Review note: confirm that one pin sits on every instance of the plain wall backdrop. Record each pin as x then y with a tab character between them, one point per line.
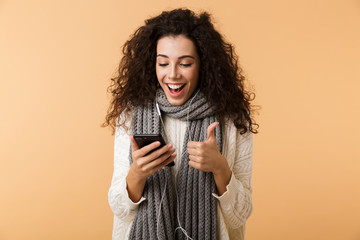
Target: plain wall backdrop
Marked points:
302	57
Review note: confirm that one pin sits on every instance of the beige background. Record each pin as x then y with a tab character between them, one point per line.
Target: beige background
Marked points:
56	59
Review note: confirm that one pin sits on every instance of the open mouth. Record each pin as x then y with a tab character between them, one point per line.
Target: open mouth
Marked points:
175	88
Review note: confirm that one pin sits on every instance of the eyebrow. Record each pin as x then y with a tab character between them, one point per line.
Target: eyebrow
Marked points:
181	57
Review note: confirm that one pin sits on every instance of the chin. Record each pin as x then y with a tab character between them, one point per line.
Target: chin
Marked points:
175	102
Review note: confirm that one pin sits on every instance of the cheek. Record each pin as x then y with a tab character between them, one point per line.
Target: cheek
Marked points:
194	76
159	74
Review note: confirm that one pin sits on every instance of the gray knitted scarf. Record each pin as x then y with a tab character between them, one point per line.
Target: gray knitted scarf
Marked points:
195	207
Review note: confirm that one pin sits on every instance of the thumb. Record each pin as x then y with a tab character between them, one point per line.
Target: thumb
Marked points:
211	131
134	144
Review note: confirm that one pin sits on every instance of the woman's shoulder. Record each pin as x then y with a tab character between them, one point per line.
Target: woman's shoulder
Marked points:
124	123
231	131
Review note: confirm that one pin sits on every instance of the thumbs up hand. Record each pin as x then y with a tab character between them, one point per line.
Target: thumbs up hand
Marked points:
205	156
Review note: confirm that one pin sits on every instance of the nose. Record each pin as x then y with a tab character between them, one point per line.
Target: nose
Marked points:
173	72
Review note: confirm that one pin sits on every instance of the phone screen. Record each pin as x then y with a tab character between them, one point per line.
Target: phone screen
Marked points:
146	139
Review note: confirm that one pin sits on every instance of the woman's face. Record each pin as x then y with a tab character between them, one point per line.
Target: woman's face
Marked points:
177	68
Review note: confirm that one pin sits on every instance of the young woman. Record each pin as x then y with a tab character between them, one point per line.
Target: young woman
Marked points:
179	78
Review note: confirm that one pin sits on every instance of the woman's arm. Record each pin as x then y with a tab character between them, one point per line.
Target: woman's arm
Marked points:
232	171
236	202
205	156
119	200
144	165
125	193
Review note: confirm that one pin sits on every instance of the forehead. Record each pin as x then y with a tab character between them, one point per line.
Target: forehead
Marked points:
175	46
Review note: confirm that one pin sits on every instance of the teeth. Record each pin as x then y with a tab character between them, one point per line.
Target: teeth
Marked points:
172	86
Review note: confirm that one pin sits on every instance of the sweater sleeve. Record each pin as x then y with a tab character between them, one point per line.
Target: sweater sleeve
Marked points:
236	203
122	206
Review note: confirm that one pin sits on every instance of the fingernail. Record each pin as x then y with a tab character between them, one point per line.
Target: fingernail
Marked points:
157	143
169	145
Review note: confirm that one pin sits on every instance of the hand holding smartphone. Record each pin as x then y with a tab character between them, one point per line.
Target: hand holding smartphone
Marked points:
146	139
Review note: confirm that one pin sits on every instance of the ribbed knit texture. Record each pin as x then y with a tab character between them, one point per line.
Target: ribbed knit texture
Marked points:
197	206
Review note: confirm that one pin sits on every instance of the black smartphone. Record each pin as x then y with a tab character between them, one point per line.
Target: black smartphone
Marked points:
146	139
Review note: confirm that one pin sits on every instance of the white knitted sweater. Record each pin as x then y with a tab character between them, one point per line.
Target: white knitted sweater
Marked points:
234	206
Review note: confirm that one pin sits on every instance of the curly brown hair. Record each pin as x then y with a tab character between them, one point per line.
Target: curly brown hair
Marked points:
220	78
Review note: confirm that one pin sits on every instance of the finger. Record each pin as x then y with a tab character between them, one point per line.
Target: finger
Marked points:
211	130
195	151
160	151
193	144
194	158
146	149
169	160
161	161
196	165
134	144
